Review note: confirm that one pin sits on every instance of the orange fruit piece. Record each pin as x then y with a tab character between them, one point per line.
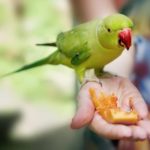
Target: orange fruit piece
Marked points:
107	107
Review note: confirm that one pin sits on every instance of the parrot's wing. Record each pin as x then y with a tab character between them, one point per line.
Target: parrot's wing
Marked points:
75	46
74	41
78	58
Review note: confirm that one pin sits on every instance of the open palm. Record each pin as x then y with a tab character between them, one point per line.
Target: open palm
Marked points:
124	90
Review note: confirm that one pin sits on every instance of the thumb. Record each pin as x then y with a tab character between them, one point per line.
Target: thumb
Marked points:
85	111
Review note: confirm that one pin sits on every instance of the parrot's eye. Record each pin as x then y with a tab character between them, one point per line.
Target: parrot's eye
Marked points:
108	30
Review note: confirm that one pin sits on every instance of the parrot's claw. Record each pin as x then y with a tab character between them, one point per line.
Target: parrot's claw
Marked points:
103	74
92	80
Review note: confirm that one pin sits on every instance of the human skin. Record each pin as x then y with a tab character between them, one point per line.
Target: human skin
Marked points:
88	10
85	114
123	89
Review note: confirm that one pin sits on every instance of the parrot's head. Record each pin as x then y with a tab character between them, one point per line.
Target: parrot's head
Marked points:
115	32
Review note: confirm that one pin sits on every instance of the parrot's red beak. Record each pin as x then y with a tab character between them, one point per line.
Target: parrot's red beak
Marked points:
125	38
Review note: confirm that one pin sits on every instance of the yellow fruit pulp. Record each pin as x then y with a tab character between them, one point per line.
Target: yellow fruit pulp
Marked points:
107	107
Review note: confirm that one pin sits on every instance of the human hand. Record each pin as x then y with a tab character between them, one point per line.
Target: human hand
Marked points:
124	90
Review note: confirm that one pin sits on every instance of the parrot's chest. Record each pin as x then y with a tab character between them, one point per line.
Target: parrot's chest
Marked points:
100	58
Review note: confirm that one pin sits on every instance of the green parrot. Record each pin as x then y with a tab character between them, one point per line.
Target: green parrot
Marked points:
91	45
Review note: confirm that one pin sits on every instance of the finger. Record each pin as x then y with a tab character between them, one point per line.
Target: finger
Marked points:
126	145
125	105
85	111
124	91
145	124
130	92
141	108
101	127
138	103
138	133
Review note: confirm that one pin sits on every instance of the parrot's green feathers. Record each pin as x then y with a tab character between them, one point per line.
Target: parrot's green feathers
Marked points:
122	22
108	31
79	58
90	45
29	66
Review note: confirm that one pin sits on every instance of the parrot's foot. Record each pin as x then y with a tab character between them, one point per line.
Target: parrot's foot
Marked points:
103	74
106	74
96	80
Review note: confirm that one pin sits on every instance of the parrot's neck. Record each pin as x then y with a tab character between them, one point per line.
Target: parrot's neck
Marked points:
108	41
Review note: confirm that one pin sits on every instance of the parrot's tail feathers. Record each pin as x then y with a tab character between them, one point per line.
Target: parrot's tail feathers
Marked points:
29	66
47	44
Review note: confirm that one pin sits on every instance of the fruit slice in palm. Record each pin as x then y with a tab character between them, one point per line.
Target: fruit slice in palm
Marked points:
107	107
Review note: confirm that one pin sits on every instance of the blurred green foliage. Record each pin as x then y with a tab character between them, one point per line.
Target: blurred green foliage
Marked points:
23	23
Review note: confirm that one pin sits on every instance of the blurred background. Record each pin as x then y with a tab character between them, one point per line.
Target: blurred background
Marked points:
36	105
